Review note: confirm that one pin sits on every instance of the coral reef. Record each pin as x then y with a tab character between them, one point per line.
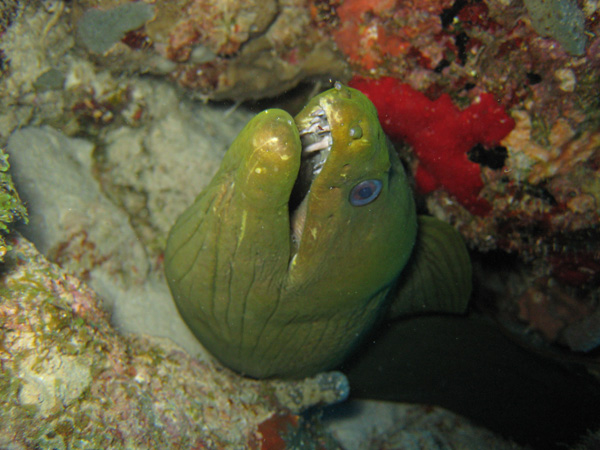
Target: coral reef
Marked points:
441	136
69	380
384	37
135	142
560	19
528	183
217	49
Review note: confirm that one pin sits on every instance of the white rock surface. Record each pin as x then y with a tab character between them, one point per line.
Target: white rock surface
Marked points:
52	173
152	168
168	160
73	222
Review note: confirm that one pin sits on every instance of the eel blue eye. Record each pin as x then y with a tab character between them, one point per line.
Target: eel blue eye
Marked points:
365	192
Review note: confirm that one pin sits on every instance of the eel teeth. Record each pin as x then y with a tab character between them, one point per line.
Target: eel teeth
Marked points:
319	112
318	166
316	139
316	127
321	144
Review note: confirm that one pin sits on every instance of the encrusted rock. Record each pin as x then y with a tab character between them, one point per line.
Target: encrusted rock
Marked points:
69	380
218	49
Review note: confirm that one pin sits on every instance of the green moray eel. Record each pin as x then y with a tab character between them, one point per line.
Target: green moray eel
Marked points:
297	246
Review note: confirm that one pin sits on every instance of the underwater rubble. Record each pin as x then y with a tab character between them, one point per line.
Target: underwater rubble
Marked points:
524	184
70	380
217	49
510	87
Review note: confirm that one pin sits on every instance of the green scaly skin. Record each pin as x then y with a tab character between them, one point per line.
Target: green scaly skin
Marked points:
263	303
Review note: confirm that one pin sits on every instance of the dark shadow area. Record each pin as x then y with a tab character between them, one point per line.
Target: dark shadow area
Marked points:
467	365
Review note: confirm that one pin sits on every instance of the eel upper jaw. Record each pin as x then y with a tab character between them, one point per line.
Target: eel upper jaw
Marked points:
316	139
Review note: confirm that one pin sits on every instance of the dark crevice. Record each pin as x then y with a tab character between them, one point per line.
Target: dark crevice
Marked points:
494	157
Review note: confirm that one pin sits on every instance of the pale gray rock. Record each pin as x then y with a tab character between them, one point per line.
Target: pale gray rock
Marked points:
73	223
362	424
156	170
51	172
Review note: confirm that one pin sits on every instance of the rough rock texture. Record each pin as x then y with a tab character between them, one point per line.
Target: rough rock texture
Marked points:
76	225
53	174
538	183
219	49
69	380
141	150
367	424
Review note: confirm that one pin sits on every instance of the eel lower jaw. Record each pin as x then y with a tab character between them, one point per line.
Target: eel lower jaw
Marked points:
316	139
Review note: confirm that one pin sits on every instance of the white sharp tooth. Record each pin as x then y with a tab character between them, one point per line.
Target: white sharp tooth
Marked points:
311	129
319	145
318	112
324	128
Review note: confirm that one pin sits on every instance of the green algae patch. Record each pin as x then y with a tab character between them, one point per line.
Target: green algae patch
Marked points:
11	207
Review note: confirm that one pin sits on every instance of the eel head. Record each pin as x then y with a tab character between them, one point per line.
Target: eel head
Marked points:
284	261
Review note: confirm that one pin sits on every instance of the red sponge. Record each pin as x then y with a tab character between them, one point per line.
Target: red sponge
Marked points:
440	135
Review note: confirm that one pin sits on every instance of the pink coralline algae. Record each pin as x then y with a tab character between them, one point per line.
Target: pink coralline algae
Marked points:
441	135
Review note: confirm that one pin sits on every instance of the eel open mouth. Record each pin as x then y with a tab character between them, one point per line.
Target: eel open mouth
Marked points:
315	136
316	140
